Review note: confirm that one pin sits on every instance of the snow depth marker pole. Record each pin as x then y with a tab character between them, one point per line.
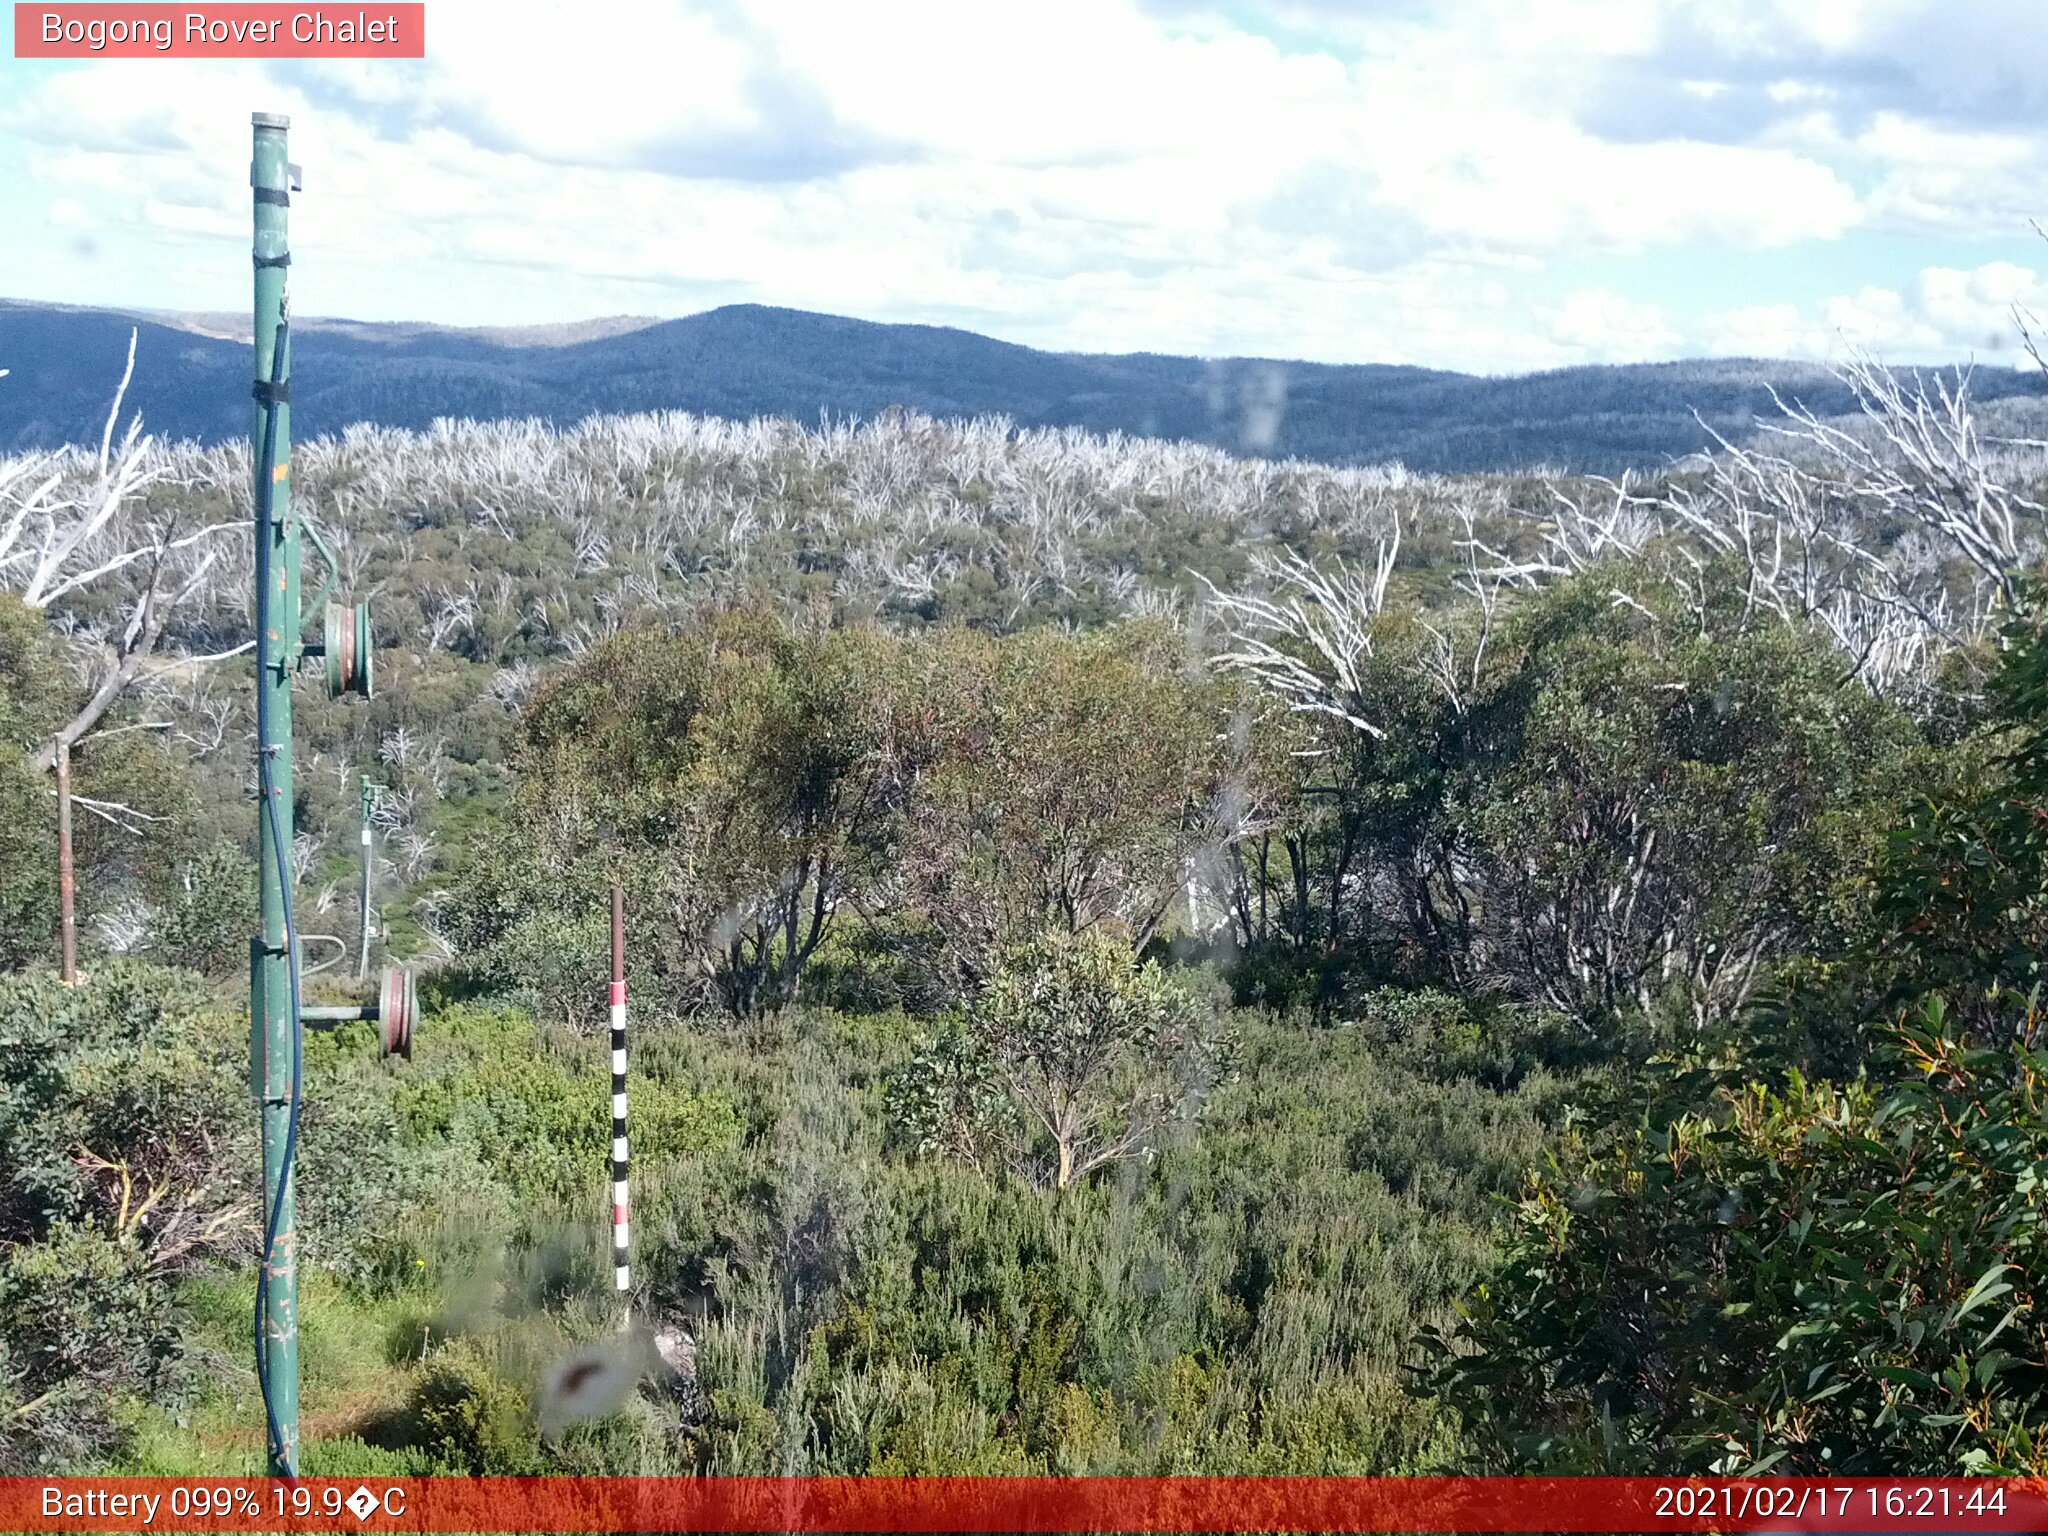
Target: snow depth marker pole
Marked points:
620	1228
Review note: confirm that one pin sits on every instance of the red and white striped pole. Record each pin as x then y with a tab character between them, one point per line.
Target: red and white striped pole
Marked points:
619	1147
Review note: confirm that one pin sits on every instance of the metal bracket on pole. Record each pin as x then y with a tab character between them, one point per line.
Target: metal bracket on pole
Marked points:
396	1010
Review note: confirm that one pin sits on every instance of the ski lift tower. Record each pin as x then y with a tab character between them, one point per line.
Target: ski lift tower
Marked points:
277	1015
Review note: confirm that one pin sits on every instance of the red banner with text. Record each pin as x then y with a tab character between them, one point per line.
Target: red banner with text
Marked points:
104	31
1023	1504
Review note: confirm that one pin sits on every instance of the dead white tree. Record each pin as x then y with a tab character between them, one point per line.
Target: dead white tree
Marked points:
1309	642
1900	529
1897	529
447	613
73	525
1481	580
1921	459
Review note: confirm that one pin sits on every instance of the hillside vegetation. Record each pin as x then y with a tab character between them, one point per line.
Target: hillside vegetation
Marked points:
1143	960
745	361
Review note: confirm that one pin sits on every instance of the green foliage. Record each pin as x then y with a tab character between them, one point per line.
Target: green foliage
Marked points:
1338	811
83	1315
1661	810
350	1456
116	1146
752	782
534	1112
1964	898
1072	781
1803	1278
1721	1272
747	777
1487	1040
28	864
1072	1059
133	1066
31	692
1619	825
1239	1303
124	860
533	930
1617	810
466	1419
206	923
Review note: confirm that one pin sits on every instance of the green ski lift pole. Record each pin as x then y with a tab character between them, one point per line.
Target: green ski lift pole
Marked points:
277	1011
275	1053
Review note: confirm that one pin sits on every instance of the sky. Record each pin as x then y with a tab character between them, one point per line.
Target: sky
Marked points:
1493	186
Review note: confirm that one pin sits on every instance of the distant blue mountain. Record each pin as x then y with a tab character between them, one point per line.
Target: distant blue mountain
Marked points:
191	381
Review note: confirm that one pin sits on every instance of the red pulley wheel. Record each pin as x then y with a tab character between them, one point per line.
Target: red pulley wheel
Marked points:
397	1006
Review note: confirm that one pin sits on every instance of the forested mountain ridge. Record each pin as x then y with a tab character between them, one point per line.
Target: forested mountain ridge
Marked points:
749	360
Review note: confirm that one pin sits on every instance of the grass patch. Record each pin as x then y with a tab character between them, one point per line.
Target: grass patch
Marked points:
360	1359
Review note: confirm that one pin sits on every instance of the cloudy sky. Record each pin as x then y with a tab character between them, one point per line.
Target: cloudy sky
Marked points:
1490	185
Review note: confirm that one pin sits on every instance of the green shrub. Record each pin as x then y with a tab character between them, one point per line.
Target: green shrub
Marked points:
1072	1059
86	1320
533	1109
1802	1278
1488	1041
465	1418
350	1456
205	926
135	1068
123	1119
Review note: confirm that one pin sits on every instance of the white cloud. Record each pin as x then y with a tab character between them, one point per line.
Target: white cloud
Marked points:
70	213
1975	310
1099	174
1874	319
1547	187
1924	176
1946	313
1606	327
1763	330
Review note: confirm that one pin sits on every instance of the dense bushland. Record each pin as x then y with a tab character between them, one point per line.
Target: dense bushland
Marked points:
1142	962
1243	1300
1808	1272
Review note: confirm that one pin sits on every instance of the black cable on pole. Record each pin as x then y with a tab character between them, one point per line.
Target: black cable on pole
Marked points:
265	501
